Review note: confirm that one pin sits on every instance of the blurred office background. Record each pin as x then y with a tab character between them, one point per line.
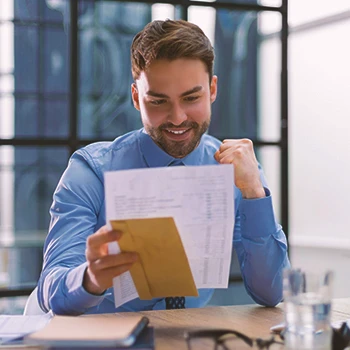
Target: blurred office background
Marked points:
65	82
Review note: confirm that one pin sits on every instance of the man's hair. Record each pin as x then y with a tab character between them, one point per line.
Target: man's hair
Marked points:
170	40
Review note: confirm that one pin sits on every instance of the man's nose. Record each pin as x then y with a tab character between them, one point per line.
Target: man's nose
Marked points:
177	114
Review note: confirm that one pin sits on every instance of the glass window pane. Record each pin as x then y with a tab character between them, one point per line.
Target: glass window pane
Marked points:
26	58
6	10
56	60
26	10
20	273
34	62
269	90
6	190
55	11
7	123
118	15
12	305
26	117
269	75
55	121
105	108
6	84
204	17
163	11
6	48
269	23
31	117
37	171
34	10
270	159
235	41
248	70
28	177
179	12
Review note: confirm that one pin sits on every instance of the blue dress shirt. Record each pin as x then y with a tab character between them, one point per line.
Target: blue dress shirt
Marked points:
78	210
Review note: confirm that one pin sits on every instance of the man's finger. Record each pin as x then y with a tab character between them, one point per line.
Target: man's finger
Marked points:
114	260
103	279
227	160
232	141
118	270
217	156
102	236
225	152
228	146
106	280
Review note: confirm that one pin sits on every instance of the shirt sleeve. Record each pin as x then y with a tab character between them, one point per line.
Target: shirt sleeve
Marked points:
261	247
74	211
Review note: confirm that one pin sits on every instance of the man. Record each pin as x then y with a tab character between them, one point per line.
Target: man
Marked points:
172	66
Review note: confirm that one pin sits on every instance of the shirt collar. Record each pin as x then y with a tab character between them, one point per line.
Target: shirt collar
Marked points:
156	157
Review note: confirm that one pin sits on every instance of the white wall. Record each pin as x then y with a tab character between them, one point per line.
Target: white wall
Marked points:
319	132
319	86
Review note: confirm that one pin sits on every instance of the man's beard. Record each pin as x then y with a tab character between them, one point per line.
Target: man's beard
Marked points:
178	149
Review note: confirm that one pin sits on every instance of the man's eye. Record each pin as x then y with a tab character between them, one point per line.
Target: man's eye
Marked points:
157	102
191	98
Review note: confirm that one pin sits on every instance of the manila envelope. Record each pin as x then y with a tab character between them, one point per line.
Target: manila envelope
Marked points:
162	269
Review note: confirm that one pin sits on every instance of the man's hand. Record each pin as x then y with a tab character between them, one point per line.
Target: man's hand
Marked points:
102	267
241	154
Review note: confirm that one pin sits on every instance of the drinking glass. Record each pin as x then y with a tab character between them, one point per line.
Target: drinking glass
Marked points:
307	309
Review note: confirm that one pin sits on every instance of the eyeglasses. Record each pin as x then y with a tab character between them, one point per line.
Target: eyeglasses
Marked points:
225	339
341	337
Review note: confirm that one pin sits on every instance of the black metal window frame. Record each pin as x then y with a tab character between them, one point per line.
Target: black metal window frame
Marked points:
73	141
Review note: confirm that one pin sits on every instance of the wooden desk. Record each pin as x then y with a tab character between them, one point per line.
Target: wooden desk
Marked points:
252	320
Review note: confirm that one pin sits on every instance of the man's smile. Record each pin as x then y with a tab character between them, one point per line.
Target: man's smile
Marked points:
180	134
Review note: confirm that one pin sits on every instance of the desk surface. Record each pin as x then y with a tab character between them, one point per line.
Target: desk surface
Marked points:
249	319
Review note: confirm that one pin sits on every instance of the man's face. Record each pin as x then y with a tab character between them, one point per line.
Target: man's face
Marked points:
174	98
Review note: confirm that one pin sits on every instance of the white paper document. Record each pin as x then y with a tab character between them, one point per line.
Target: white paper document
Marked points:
201	201
16	326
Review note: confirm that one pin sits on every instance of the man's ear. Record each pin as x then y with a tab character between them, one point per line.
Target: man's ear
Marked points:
213	88
135	96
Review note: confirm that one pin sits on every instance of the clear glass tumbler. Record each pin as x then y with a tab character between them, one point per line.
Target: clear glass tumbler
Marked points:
307	309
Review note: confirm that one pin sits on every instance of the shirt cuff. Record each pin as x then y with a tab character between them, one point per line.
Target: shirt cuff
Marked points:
79	298
257	216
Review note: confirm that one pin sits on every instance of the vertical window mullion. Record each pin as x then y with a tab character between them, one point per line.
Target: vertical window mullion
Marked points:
73	74
284	120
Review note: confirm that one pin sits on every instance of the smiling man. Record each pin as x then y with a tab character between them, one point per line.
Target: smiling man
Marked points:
174	99
174	87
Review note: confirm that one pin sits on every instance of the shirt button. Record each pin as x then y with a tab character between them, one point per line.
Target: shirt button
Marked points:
243	217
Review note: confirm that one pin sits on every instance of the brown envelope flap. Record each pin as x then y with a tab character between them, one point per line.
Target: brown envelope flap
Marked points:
126	244
163	257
